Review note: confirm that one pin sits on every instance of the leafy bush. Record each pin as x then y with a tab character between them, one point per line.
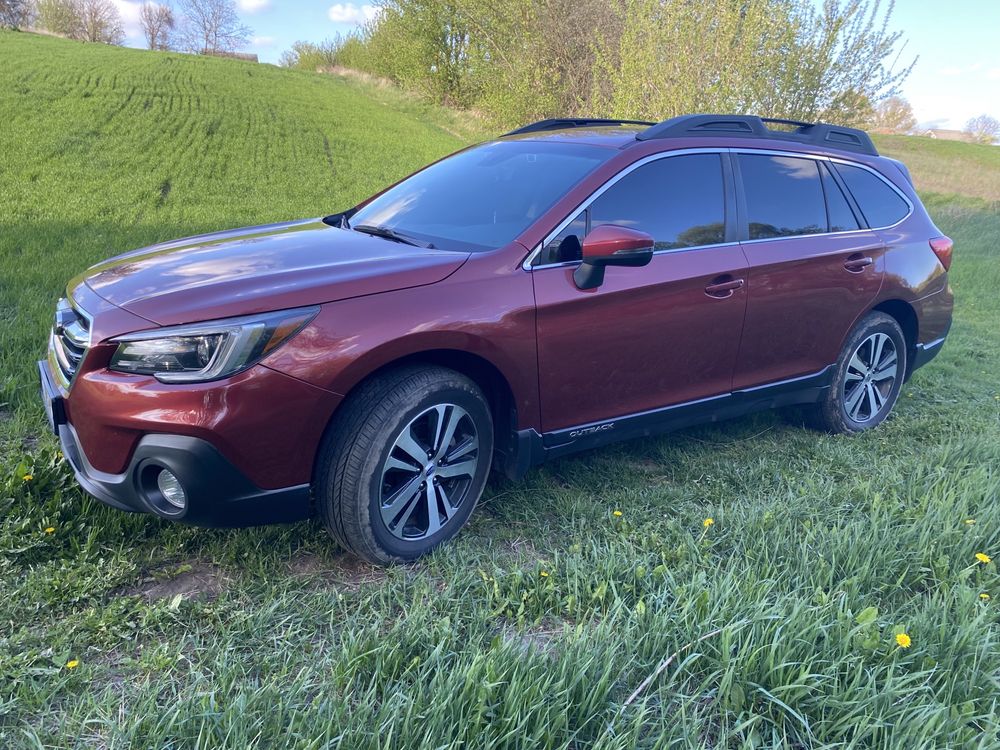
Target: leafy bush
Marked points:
525	59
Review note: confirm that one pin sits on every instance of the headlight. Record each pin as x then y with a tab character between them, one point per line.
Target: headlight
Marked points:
207	351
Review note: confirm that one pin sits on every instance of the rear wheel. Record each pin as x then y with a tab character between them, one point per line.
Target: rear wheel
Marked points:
867	380
404	463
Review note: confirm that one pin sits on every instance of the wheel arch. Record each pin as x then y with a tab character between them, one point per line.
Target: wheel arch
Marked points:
484	373
904	314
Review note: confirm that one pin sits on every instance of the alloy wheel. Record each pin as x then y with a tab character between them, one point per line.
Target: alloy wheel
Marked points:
871	375
429	470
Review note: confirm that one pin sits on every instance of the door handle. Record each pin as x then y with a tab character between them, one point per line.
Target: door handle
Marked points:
723	289
857	263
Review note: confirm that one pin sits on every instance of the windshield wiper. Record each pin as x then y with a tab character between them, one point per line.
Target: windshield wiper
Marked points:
391	234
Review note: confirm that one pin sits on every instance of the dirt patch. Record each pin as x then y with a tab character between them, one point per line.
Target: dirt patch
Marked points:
540	639
342	569
197	581
646	466
528	552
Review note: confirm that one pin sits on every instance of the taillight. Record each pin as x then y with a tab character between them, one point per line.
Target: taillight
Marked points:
942	249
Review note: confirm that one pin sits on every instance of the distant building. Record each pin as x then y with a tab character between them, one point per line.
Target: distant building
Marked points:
947	135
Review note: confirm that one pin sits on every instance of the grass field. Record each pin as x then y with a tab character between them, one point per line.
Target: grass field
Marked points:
568	590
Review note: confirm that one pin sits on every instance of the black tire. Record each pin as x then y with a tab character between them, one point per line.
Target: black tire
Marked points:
842	410
350	477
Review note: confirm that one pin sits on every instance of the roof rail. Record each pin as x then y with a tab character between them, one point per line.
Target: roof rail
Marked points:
751	126
571	122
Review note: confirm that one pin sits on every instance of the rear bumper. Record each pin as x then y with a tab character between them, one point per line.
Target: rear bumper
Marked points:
218	493
926	352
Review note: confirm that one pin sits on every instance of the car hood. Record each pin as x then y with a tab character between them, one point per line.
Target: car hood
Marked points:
257	269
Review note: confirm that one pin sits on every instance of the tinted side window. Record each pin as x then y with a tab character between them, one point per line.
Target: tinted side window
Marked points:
784	196
841	216
881	205
679	200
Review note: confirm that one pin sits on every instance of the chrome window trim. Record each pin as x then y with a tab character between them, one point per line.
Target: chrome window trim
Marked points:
526	264
806	236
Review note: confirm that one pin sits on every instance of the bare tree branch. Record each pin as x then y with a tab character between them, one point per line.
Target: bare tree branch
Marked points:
100	21
16	14
157	22
983	129
210	26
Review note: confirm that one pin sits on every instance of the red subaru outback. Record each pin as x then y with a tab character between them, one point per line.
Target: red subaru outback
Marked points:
572	283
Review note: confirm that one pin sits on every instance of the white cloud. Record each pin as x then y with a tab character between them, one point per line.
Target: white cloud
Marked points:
262	41
252	6
993	74
351	13
129	11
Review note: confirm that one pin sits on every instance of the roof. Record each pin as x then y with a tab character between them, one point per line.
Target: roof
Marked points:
622	133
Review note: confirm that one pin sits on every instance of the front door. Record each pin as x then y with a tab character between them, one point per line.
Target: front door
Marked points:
648	337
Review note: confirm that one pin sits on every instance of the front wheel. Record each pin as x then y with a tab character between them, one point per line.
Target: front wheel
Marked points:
404	463
868	376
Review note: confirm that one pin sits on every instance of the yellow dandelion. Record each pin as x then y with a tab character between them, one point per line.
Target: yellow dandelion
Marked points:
50	529
903	640
72	664
616	513
708	522
984	559
970	521
984	596
28	477
544	574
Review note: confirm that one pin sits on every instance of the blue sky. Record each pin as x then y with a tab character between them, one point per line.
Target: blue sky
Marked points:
956	77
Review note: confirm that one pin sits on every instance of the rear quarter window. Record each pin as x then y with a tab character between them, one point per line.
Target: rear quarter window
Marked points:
881	205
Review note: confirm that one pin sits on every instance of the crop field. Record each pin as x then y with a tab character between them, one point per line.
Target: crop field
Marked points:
742	585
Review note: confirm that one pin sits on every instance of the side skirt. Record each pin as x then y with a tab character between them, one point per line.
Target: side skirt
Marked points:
532	448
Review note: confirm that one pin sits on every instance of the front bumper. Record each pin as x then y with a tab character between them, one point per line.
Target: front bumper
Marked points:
218	494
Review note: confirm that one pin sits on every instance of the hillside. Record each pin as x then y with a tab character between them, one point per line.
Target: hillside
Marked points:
771	565
965	170
106	149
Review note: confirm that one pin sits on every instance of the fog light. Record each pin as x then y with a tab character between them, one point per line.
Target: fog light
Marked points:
170	488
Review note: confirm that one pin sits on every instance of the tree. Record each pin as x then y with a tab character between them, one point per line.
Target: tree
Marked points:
893	115
983	129
311	55
100	21
86	20
157	22
16	13
211	26
60	17
651	59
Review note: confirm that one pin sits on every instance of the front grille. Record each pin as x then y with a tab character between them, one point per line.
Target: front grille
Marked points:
69	341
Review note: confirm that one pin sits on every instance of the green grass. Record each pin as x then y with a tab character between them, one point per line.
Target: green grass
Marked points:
538	623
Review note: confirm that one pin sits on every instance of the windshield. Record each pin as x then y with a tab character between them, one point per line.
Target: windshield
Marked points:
482	198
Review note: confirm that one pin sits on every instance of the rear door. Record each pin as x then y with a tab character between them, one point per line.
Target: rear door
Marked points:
651	336
814	267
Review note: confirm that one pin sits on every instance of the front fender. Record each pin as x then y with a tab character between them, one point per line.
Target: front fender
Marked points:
490	316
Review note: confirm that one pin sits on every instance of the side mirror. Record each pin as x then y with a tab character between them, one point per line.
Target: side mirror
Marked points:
611	245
